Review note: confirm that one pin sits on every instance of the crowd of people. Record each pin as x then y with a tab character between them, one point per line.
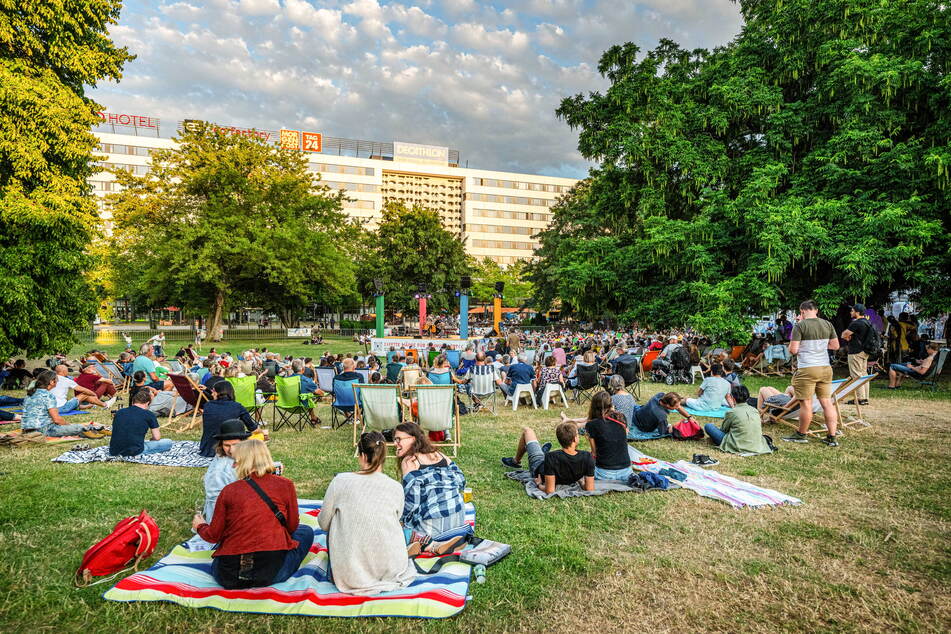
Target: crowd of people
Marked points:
374	522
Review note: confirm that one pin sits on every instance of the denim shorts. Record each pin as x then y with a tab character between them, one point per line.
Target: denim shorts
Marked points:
612	474
536	457
68	406
902	368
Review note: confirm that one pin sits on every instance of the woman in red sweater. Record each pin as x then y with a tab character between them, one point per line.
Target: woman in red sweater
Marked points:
255	524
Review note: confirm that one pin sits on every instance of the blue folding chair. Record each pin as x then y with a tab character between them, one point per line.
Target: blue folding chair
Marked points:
452	356
344	402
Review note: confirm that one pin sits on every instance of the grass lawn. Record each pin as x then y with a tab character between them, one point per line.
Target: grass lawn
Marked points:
867	551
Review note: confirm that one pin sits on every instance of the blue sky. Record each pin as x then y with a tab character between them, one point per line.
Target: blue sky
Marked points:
481	77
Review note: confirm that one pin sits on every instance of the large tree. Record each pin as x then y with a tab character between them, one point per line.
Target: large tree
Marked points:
227	218
409	248
49	52
808	157
486	272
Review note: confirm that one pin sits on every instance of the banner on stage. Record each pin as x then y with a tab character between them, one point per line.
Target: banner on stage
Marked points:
298	332
382	345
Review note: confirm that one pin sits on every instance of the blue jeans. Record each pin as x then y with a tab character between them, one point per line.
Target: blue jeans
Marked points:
58	431
903	368
6	401
157	446
69	406
714	433
292	558
612	474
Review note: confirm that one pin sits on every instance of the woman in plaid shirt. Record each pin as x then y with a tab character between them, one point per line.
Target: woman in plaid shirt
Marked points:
432	485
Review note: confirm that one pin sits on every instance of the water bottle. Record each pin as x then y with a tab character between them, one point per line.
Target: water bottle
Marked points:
479	572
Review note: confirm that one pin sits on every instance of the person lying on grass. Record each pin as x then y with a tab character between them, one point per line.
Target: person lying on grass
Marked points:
129	426
432	486
256	546
741	431
550	468
607	433
898	371
361	512
40	414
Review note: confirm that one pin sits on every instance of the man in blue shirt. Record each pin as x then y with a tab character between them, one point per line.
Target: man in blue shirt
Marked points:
518	374
307	385
130	426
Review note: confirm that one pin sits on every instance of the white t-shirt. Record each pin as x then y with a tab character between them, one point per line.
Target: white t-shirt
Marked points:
813	336
63	385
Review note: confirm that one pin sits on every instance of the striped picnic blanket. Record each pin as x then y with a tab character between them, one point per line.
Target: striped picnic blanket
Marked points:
711	484
184	577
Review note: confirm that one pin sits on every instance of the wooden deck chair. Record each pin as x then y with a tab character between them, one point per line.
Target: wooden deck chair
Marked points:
858	423
931	377
105	373
102	358
122	381
187	390
482	387
841	390
453	357
408	378
376	408
438	411
431	357
789	414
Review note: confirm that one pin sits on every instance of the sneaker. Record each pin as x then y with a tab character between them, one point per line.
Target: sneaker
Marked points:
92	435
831	441
546	447
110	402
510	462
797	437
105	431
863	401
704	460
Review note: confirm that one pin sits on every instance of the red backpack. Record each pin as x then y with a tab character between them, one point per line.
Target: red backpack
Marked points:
132	540
687	429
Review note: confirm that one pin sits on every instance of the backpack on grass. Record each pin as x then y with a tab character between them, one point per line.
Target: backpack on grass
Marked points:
132	540
687	429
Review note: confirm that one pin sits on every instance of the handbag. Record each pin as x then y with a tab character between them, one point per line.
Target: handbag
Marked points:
687	429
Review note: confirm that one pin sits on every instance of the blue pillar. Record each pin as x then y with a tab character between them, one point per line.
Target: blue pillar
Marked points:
463	316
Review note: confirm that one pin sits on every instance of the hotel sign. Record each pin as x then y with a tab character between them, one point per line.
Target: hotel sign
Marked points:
131	120
420	153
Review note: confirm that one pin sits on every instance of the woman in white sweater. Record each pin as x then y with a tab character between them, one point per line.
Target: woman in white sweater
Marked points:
361	514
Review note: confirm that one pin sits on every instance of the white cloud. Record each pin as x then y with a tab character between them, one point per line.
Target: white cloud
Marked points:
482	77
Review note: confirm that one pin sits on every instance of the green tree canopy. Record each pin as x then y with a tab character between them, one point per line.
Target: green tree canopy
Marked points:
227	218
49	51
486	272
409	248
808	157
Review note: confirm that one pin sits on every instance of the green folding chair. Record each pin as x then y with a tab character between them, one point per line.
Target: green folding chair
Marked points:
245	393
292	407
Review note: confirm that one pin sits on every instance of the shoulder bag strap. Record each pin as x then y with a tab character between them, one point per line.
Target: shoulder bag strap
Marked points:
267	500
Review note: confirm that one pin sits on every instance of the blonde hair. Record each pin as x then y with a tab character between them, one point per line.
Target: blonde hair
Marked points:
251	457
231	372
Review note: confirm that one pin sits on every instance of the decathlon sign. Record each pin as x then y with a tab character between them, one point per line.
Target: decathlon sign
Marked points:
420	153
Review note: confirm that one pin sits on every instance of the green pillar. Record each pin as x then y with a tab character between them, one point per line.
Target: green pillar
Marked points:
379	315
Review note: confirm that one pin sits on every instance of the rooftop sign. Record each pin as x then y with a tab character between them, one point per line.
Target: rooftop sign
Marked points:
420	153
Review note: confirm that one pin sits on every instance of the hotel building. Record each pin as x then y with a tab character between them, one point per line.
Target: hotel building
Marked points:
495	213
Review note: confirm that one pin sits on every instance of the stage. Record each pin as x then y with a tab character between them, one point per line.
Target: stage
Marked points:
382	345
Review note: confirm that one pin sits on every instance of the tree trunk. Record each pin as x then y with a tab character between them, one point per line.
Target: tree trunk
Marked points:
215	327
289	317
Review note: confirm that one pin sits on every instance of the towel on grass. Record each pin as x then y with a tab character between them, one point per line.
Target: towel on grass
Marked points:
711	484
184	453
75	412
184	577
636	435
713	413
573	490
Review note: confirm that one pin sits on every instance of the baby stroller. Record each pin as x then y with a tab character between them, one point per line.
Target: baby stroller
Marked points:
674	370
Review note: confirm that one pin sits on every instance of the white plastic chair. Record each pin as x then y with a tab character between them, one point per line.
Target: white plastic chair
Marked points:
523	388
694	371
437	411
550	390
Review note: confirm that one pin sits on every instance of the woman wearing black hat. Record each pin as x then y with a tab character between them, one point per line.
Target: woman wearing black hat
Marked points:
221	470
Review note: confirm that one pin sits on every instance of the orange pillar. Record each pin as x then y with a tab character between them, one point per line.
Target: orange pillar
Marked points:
497	314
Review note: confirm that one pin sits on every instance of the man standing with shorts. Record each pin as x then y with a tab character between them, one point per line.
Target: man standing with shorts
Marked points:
857	334
812	338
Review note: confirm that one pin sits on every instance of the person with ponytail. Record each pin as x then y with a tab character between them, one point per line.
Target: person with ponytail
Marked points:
41	415
361	515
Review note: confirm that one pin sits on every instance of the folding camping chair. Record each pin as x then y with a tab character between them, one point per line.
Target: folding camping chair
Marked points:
292	407
588	382
325	379
344	403
188	391
376	408
245	393
453	356
438	411
431	357
482	387
931	377
632	380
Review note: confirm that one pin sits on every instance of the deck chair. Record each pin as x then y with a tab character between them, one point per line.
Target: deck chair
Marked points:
104	372
245	393
325	379
482	387
408	378
453	356
365	373
176	366
292	407
376	408
760	368
187	390
588	382
122	381
632	380
412	355
438	411
931	378
344	403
